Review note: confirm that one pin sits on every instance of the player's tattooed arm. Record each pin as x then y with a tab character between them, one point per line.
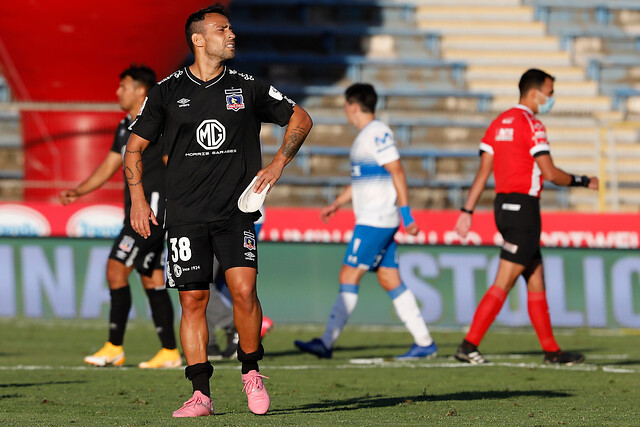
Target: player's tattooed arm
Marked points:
300	124
141	212
293	141
134	174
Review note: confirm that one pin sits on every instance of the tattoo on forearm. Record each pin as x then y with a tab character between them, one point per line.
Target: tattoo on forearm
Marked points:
293	142
133	178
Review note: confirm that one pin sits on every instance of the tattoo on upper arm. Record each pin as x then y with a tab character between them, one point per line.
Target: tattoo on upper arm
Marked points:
293	142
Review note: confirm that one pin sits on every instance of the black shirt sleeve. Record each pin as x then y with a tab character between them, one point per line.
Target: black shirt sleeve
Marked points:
149	123
272	106
115	147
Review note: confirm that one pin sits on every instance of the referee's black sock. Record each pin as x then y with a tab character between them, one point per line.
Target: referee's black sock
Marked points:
199	375
119	314
162	313
250	360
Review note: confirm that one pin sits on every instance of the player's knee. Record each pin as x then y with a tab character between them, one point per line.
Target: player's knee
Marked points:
116	280
194	301
245	298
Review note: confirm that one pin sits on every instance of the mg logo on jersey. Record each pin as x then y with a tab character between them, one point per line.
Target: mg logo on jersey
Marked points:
211	134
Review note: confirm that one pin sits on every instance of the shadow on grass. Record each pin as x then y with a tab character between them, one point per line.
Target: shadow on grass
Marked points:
8	396
585	351
380	401
377	350
40	384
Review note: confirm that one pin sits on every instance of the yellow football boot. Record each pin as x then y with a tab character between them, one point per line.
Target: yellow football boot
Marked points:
164	359
109	355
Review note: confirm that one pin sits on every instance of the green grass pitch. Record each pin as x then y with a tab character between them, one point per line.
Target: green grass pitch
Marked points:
44	382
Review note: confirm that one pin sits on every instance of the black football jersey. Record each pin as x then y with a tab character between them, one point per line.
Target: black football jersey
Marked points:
154	179
211	132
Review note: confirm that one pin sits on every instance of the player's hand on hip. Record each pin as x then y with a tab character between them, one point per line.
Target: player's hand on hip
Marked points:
68	196
269	175
593	183
141	214
463	225
412	229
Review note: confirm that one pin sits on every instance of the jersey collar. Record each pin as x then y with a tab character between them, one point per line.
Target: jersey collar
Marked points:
206	84
525	108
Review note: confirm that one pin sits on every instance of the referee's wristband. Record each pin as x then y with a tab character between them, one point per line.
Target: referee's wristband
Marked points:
465	210
579	181
405	213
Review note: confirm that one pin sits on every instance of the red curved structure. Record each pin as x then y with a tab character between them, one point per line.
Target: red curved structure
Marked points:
74	51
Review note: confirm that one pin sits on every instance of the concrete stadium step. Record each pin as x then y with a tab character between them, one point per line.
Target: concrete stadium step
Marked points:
562	88
516	43
494	28
476	13
514	72
572	135
580	166
569	149
565	104
535	58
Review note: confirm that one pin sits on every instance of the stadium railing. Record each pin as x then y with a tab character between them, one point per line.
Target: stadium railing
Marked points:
384	93
429	156
329	33
405	10
402	125
595	66
355	63
602	9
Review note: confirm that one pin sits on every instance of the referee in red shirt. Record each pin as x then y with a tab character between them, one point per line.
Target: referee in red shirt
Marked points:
516	150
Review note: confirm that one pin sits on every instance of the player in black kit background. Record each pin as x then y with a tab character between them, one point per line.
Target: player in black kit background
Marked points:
210	118
129	250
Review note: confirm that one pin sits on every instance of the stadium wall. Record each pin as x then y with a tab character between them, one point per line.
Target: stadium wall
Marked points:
65	278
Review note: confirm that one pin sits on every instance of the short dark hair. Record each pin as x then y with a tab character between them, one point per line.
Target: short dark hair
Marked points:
141	74
192	27
364	94
533	78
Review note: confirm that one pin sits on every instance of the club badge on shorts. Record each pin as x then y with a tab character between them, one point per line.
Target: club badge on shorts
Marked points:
249	240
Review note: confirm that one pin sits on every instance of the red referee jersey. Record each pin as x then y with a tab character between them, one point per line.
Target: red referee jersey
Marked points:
514	139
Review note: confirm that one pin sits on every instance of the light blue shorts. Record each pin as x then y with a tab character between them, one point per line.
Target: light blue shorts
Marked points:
372	247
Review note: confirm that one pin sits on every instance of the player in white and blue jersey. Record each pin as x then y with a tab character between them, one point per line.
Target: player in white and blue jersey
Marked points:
380	198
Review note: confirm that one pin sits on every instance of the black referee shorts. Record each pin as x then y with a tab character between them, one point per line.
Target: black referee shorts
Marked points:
192	247
131	249
517	217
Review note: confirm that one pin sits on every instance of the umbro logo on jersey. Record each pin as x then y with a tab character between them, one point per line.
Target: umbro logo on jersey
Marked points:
184	102
235	100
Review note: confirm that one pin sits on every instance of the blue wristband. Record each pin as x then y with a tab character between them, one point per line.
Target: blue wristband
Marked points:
405	213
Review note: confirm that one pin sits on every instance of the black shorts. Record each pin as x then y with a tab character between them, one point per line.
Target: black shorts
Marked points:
518	220
131	249
192	248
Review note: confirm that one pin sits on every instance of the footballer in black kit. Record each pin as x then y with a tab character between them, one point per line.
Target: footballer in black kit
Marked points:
209	117
212	134
129	247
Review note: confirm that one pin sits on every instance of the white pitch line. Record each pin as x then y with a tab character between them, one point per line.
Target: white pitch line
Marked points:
375	364
618	370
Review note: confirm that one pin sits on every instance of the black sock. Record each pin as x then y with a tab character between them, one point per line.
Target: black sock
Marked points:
162	313
199	375
250	360
119	314
467	346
